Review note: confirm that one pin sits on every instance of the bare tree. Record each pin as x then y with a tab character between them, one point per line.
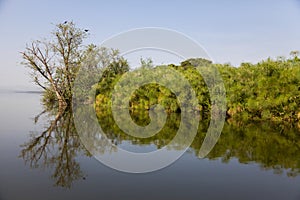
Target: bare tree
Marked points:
54	63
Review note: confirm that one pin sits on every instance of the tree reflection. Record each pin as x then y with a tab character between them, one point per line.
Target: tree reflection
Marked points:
56	147
273	146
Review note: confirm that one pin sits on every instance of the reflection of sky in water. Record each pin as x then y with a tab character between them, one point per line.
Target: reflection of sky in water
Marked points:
16	109
128	146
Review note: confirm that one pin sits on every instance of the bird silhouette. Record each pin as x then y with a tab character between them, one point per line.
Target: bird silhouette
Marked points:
65	22
86	30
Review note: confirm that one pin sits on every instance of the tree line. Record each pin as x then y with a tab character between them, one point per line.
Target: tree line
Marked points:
268	90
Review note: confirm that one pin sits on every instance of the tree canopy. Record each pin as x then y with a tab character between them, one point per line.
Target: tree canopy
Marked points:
55	62
268	90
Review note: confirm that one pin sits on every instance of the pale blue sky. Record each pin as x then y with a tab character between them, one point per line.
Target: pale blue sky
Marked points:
231	31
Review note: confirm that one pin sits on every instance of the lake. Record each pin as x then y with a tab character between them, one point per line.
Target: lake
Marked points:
42	160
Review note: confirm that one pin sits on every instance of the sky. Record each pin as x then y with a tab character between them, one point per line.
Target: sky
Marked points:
232	31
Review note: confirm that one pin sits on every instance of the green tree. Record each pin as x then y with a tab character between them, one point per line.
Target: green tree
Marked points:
55	63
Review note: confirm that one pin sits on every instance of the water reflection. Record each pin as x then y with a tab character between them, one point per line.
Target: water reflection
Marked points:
56	146
273	146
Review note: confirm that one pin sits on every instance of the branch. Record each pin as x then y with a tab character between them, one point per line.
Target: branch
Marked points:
34	64
39	84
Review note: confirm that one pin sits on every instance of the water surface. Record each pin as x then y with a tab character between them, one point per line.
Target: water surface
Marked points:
250	161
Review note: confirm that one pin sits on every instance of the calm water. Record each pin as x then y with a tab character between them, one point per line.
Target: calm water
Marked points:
40	160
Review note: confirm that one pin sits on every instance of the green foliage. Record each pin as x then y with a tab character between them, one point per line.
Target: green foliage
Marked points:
151	94
268	90
98	62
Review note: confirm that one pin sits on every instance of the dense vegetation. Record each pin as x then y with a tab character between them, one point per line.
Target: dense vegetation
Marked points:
268	90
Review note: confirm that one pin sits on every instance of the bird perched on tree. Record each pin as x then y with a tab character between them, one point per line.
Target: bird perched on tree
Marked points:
65	22
86	30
